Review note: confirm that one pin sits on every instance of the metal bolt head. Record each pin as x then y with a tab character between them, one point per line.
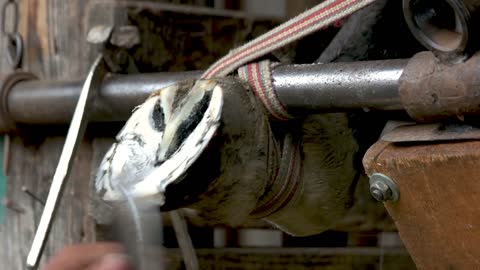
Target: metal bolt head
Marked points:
380	191
383	189
122	36
100	34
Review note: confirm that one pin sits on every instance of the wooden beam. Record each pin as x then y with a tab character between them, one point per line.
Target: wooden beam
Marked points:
297	258
438	213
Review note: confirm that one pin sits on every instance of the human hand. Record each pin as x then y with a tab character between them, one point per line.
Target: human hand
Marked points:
97	256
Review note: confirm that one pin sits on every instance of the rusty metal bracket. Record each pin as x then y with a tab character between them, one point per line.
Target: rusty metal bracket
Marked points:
431	90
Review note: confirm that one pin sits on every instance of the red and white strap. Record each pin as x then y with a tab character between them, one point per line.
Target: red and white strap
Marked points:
259	76
304	24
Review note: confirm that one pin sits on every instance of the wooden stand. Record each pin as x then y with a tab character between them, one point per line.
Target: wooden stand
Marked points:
438	213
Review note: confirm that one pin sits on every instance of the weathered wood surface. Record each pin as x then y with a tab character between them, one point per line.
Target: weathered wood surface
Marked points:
54	34
438	211
32	165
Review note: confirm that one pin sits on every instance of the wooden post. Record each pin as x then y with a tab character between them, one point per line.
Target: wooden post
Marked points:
2	184
438	211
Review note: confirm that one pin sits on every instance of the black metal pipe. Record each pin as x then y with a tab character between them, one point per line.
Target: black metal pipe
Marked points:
371	85
50	102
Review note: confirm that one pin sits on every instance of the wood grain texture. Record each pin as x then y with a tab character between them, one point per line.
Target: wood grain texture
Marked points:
54	32
55	36
33	166
438	211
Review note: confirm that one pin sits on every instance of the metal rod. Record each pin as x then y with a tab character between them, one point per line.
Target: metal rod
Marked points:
370	85
50	102
73	139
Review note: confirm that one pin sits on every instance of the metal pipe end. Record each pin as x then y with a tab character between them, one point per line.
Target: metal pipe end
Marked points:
7	82
442	26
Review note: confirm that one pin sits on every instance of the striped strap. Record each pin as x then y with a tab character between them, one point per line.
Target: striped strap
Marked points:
304	24
287	181
259	76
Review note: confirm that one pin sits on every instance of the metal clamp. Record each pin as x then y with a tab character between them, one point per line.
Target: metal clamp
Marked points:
431	90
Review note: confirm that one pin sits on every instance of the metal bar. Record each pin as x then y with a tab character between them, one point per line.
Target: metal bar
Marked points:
73	139
49	102
371	85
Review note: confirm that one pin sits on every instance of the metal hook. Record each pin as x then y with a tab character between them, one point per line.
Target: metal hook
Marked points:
14	50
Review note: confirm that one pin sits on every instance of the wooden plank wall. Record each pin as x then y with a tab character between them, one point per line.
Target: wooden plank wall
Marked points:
48	28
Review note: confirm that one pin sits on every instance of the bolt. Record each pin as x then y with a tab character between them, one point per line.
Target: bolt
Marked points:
126	36
383	189
380	191
100	34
